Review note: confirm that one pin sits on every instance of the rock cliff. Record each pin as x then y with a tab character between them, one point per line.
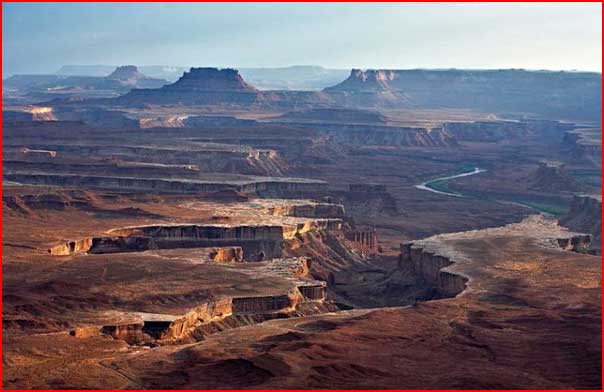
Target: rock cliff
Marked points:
370	88
572	95
585	215
199	86
267	187
129	75
257	242
584	144
552	177
304	297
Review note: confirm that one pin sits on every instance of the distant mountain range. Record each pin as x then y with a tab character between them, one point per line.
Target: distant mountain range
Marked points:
564	95
297	77
510	92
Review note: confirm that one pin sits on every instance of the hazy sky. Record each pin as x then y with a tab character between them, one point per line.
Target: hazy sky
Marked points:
38	37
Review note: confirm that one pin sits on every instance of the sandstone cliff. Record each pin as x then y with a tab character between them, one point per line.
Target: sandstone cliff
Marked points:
572	95
585	215
199	86
552	177
370	88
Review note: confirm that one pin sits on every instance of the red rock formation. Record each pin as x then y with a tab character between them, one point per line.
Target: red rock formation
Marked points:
231	254
199	86
584	144
585	215
427	266
553	177
277	187
365	240
309	210
370	88
257	242
212	79
369	80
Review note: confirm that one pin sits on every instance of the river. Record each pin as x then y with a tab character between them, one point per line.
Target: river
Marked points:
427	187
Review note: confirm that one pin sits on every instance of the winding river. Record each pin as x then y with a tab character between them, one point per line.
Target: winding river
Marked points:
427	187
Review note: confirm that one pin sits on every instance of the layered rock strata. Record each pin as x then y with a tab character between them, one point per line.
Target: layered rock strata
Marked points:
258	242
435	259
304	298
585	215
265	187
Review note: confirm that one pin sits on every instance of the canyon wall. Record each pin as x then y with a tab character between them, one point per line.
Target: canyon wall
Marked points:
216	315
496	131
263	187
211	157
428	267
231	254
585	215
366	240
232	243
573	95
584	144
309	210
381	135
257	242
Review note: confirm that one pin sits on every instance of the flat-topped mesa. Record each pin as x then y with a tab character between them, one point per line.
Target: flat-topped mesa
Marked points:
126	73
303	297
571	95
443	262
584	143
367	135
207	157
502	130
215	316
199	86
129	75
370	80
257	242
212	79
261	186
370	88
249	242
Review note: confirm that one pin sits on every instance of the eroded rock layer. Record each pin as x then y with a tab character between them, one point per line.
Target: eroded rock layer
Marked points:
585	215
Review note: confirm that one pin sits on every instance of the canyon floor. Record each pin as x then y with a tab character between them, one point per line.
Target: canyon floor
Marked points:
149	244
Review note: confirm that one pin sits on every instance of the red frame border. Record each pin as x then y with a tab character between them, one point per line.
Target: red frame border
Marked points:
254	1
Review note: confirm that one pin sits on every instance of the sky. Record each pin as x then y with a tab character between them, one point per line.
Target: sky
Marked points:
41	37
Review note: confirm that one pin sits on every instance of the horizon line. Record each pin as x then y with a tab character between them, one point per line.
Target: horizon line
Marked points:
574	70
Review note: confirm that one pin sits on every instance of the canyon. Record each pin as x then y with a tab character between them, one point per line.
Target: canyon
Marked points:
415	229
